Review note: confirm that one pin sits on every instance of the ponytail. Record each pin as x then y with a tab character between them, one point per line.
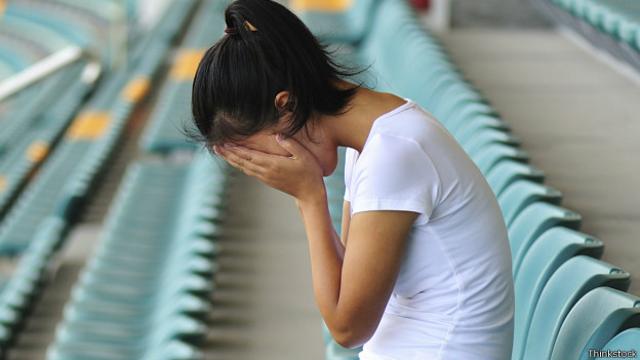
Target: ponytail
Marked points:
266	49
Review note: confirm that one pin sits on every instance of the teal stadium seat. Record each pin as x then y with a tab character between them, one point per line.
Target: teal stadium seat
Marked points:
145	299
466	131
534	220
459	116
486	137
596	318
25	283
520	194
336	21
75	162
507	172
171	116
626	340
565	287
493	154
552	249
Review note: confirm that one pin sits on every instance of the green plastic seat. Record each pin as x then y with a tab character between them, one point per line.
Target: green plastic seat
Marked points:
493	154
348	26
626	340
507	172
465	131
521	194
534	220
552	249
573	279
149	282
169	119
486	137
594	320
461	115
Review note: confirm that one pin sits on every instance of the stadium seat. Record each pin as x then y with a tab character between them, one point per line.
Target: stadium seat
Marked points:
626	340
612	25
479	140
520	194
24	285
336	21
565	287
170	117
493	154
596	318
531	223
135	297
552	249
466	131
507	172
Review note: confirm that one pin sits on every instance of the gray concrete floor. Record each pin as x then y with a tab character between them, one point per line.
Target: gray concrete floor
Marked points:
263	307
578	119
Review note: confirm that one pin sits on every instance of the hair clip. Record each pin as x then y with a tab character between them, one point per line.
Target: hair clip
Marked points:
249	26
233	30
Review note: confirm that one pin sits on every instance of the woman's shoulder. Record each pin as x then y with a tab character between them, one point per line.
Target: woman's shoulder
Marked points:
409	121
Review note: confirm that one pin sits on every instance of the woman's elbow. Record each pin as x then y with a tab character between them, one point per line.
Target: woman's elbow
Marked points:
350	338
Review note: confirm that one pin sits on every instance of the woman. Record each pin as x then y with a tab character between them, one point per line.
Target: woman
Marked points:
422	269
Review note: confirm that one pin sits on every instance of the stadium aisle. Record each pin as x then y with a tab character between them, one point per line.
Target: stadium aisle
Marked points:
576	116
263	306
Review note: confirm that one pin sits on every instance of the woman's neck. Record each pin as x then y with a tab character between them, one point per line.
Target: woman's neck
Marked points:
352	128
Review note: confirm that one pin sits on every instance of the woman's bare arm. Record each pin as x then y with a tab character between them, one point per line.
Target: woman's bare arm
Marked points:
352	292
346	219
351	288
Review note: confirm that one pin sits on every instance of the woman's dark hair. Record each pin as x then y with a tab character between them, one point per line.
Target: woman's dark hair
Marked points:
266	49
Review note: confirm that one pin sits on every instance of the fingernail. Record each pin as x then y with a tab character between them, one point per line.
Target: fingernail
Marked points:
279	137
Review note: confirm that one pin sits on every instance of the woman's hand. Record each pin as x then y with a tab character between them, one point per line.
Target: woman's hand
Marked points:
299	175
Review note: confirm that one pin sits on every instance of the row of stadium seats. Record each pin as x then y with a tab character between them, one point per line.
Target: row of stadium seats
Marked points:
165	131
34	119
145	292
618	18
125	308
28	134
72	154
612	25
36	28
64	180
21	291
567	300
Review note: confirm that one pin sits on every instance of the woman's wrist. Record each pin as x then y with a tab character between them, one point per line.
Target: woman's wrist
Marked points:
313	199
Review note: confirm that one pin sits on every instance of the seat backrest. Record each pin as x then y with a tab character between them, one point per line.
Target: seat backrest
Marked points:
567	285
337	21
493	154
596	318
463	132
532	222
626	340
521	194
507	172
554	247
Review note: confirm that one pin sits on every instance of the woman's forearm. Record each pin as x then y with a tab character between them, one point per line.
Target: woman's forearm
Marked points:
326	253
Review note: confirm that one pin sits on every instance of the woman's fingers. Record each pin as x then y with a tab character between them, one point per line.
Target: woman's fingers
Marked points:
256	157
239	162
292	146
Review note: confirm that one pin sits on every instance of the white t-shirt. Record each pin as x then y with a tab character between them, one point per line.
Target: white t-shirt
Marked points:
453	298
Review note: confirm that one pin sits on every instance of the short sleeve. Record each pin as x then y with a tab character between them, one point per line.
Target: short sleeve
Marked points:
349	159
395	173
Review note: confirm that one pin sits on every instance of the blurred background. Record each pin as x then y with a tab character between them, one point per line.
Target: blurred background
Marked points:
122	239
